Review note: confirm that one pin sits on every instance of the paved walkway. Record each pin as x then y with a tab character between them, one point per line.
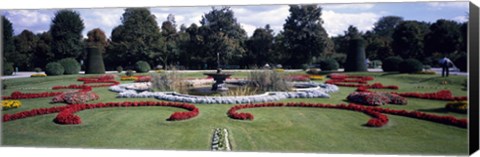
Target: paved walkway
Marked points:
28	73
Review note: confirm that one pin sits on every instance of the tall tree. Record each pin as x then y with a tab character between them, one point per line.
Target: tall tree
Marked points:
43	53
8	42
304	36
222	35
444	37
135	38
408	39
342	41
386	25
166	48
66	30
260	46
25	46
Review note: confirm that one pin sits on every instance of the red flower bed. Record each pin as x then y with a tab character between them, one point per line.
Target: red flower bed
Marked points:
376	98
298	77
67	113
356	81
110	79
143	78
378	119
75	97
83	88
20	95
440	95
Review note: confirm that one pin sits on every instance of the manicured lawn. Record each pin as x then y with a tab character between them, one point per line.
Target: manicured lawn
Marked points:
273	130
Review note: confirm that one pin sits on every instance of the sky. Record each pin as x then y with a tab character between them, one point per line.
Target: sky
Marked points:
336	17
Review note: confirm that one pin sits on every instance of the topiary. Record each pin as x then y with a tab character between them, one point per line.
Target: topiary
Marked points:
119	69
70	65
329	64
142	67
94	62
7	68
391	63
410	66
356	56
54	68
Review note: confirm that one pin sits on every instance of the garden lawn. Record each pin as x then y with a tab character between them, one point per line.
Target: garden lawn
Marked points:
273	130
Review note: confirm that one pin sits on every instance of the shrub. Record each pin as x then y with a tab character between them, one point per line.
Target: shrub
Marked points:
329	64
4	86
410	66
70	65
7	68
54	68
10	104
119	69
37	69
142	67
391	64
269	80
130	73
461	62
95	61
457	106
356	56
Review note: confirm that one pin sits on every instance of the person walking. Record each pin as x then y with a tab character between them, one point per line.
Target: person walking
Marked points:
446	63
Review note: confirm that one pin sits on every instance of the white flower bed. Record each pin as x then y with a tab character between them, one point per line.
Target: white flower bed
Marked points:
319	92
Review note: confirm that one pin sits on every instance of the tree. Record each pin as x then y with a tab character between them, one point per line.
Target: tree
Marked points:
444	37
408	39
222	35
135	38
166	48
8	42
43	53
96	43
341	42
378	47
304	36
260	46
386	25
66	30
25	46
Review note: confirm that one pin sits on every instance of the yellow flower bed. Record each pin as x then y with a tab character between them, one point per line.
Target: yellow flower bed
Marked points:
38	75
128	78
457	106
9	104
158	71
316	77
280	70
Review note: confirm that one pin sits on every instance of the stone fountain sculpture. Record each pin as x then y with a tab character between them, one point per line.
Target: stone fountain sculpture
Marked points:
219	78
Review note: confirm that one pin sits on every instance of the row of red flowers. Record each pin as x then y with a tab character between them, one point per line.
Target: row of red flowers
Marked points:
67	115
440	95
378	119
356	81
82	88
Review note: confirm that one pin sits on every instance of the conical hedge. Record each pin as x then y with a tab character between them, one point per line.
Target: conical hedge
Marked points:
94	61
356	56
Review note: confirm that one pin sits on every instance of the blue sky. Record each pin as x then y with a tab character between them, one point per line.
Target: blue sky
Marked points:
337	17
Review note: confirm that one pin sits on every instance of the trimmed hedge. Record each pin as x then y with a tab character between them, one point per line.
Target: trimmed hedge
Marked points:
410	66
142	67
7	68
95	63
391	64
70	66
356	56
329	64
54	68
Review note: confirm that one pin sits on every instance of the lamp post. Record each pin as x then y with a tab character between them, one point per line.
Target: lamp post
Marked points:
218	59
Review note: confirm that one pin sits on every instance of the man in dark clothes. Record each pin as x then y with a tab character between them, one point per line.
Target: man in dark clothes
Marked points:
446	63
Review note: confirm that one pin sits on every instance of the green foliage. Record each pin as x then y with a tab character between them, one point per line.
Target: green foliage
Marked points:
119	69
97	39
135	38
142	67
304	36
461	62
444	37
70	65
37	69
66	30
268	80
54	68
130	73
8	41
386	25
25	44
329	64
43	53
391	64
7	68
410	66
94	61
260	47
408	39
356	56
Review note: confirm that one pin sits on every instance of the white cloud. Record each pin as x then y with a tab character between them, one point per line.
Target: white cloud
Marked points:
336	23
105	19
34	20
249	28
361	6
275	16
442	5
460	19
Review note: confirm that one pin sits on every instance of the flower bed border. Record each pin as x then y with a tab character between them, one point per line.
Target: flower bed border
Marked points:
66	114
378	119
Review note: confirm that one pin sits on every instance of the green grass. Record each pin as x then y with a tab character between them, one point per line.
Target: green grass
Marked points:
273	130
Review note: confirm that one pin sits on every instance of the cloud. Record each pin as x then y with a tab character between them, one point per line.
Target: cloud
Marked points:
360	6
252	17
36	21
460	19
442	5
105	19
336	23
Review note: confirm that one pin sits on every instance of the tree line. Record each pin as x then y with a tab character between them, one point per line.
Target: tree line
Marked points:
219	39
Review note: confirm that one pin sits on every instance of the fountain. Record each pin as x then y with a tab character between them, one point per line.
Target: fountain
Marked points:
219	78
